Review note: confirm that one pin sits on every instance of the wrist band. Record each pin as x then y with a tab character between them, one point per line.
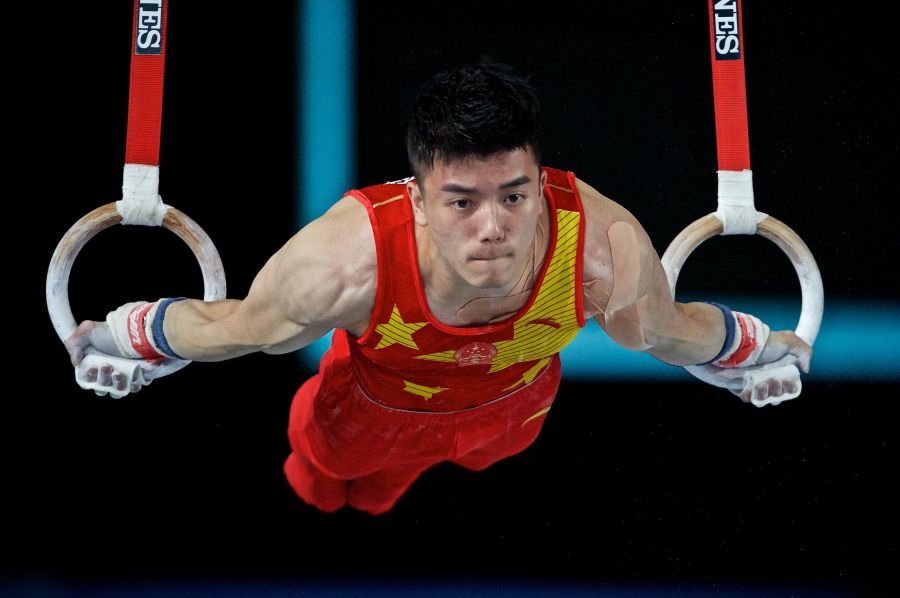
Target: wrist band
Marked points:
159	337
729	332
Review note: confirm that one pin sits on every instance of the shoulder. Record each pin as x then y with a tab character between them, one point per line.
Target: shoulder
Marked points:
600	214
332	263
341	237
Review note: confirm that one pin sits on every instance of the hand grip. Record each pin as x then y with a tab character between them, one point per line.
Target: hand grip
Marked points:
130	368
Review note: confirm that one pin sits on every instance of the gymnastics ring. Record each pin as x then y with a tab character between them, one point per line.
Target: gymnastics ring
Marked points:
61	267
813	296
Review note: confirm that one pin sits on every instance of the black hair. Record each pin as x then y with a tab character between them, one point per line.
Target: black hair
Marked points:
478	110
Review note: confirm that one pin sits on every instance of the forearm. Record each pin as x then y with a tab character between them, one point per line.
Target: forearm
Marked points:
695	333
207	331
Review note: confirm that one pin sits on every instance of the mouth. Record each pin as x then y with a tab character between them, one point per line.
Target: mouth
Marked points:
489	257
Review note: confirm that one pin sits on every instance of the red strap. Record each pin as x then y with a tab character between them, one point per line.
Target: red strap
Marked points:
729	87
145	93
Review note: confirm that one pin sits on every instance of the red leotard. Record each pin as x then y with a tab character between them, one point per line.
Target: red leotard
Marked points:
412	391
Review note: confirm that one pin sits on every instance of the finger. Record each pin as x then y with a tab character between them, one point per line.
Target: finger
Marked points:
803	353
790	385
775	388
76	355
147	372
135	386
119	381
803	358
105	375
762	391
90	375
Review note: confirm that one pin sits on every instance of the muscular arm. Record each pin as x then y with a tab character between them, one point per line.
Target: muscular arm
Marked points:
627	294
322	278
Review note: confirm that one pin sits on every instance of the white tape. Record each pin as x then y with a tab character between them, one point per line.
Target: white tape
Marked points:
736	210
141	203
744	379
786	372
135	370
130	368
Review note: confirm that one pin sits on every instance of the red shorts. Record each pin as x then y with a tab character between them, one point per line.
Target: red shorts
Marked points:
350	449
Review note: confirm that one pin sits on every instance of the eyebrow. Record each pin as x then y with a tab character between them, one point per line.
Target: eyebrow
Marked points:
454	188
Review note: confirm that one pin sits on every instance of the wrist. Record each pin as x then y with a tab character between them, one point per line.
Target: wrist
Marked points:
154	324
137	329
745	338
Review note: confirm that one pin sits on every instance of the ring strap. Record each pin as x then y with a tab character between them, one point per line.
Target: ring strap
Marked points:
729	87
141	203
145	93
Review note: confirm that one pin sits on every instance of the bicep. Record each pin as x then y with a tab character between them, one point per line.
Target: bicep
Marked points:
622	273
323	278
628	290
317	281
638	300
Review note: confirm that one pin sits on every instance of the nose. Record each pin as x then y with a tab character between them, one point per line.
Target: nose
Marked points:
492	225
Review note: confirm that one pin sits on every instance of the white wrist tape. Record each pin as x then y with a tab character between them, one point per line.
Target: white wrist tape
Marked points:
748	341
129	327
137	330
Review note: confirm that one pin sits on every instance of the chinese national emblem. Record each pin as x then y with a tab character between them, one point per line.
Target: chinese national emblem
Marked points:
476	353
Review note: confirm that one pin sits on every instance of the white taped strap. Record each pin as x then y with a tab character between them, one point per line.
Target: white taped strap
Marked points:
141	203
735	210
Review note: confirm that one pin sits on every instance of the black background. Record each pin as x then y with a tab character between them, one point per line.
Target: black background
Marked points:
672	484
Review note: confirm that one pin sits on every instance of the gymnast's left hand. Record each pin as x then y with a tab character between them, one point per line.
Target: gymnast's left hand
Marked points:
769	378
782	348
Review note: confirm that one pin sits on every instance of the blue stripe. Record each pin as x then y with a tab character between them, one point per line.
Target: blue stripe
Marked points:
729	330
159	336
326	97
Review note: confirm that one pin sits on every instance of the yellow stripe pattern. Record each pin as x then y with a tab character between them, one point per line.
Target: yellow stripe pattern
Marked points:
535	340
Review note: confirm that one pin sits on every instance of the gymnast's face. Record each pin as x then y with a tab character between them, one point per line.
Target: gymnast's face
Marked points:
476	217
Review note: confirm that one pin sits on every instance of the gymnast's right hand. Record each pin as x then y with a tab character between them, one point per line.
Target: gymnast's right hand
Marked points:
108	357
98	373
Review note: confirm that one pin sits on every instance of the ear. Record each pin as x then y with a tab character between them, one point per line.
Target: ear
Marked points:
417	201
543	182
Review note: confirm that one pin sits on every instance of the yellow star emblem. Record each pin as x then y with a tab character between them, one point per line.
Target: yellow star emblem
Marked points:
530	373
396	331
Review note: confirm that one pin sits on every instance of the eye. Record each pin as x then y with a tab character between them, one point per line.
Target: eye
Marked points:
461	204
515	198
